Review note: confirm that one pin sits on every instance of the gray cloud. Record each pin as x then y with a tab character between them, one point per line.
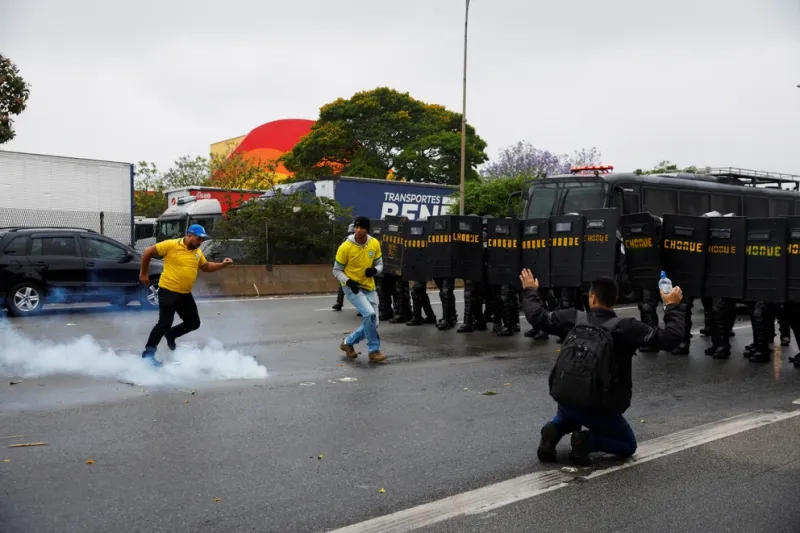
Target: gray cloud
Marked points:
705	82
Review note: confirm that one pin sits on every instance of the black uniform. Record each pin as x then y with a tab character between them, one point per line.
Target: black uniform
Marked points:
723	316
446	287
401	311
421	302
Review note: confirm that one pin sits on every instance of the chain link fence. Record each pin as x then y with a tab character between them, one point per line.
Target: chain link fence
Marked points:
280	244
117	226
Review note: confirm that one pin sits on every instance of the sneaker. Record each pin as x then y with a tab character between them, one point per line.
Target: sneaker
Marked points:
377	356
580	448
150	357
170	343
547	446
348	349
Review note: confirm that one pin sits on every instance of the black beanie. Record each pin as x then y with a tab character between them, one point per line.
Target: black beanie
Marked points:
361	222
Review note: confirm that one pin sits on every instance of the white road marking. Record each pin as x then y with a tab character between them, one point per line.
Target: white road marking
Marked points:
528	486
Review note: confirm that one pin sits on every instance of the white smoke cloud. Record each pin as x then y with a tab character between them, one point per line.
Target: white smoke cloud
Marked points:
23	357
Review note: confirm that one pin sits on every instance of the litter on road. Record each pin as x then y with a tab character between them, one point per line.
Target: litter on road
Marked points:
27	445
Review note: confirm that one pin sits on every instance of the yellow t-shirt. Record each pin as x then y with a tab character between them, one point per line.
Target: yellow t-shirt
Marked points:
356	259
180	265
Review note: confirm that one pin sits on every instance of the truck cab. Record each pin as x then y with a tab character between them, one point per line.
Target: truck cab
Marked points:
187	210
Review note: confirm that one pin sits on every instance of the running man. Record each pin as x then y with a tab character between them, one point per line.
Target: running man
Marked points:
358	261
182	259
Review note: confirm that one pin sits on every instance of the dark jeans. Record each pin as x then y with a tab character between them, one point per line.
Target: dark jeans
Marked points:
170	303
607	433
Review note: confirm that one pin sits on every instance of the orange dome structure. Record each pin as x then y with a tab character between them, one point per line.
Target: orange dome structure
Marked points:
268	142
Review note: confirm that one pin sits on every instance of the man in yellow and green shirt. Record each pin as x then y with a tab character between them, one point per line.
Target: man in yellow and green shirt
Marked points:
358	261
182	260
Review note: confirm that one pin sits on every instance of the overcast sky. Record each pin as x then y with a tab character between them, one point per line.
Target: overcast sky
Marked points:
703	82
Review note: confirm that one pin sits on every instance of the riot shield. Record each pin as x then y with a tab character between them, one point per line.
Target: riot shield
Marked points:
392	245
725	258
600	243
793	259
642	258
765	265
535	254
502	239
683	251
468	247
566	250
415	266
377	228
440	249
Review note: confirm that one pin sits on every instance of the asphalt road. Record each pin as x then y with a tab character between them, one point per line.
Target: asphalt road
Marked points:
304	450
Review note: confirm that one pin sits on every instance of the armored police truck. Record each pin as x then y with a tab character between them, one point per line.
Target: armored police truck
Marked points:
727	190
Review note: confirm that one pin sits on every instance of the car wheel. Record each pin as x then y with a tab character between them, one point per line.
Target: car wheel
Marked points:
149	299
25	299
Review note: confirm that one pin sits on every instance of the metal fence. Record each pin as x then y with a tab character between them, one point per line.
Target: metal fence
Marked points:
281	244
117	226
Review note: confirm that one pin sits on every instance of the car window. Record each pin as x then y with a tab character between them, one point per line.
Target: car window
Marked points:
694	203
60	246
660	201
781	208
756	207
17	246
98	249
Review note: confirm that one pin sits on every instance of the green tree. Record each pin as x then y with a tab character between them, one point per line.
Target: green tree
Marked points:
14	92
236	172
187	172
149	203
288	230
663	167
489	196
384	131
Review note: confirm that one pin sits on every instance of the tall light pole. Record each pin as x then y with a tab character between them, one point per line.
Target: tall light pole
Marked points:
464	117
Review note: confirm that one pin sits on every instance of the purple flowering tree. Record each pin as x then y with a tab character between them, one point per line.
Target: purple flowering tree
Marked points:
523	159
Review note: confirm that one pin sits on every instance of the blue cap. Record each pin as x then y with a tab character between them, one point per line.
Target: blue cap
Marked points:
197	229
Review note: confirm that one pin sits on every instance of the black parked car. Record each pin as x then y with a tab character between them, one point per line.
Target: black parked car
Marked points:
70	265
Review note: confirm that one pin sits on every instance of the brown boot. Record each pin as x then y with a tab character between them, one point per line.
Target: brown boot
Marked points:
348	349
377	356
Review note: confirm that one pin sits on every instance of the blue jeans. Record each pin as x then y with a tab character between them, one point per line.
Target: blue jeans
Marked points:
607	433
366	302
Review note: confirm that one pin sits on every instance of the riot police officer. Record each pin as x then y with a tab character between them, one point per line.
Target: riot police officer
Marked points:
474	318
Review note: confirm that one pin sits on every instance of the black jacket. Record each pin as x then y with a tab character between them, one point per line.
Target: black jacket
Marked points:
629	335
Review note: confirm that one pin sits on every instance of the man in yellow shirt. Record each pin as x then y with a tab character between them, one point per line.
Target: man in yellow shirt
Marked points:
182	259
358	261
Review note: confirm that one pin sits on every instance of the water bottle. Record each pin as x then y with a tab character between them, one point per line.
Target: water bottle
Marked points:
665	284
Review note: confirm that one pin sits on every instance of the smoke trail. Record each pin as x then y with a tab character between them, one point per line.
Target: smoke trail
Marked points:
26	358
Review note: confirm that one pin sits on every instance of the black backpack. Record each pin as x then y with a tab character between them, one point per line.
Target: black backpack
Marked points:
584	371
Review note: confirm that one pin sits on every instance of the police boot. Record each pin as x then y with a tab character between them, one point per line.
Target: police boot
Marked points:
480	319
467	326
339	300
785	331
708	318
683	347
398	311
515	316
721	345
430	316
761	352
447	321
795	360
649	316
506	321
